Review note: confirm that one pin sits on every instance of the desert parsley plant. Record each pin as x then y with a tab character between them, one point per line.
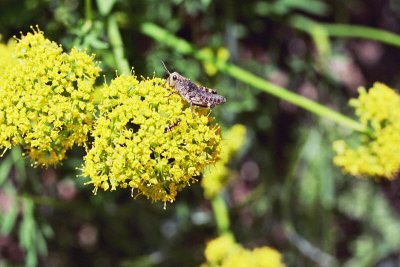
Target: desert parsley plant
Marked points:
45	97
134	148
377	154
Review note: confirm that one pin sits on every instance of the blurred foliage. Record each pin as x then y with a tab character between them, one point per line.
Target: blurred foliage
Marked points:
284	192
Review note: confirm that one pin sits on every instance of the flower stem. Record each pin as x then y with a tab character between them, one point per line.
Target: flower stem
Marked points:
291	97
88	10
182	46
221	214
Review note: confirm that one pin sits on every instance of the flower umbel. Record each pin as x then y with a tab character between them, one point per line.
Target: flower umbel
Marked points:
45	98
224	252
377	155
133	149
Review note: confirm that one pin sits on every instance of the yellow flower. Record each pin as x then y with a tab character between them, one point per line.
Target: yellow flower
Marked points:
45	98
267	257
377	155
222	55
134	148
217	176
220	248
224	252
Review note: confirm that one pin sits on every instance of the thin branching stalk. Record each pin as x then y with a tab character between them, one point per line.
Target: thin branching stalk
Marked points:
180	45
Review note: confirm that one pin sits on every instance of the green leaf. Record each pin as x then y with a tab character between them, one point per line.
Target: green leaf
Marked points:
27	229
8	219
41	244
19	163
31	258
5	168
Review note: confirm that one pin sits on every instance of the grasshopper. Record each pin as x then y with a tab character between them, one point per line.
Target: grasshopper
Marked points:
194	94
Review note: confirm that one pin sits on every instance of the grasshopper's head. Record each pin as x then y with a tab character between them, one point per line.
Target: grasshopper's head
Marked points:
173	78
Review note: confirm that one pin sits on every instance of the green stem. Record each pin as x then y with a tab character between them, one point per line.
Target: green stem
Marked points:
345	30
42	200
88	10
221	214
117	45
182	46
291	97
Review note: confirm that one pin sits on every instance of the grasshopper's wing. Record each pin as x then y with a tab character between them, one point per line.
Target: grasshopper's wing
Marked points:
207	90
203	100
201	103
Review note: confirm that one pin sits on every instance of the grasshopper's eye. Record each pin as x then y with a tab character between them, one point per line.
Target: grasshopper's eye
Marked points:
174	77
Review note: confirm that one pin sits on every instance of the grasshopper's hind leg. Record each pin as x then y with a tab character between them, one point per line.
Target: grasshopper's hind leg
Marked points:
210	107
191	109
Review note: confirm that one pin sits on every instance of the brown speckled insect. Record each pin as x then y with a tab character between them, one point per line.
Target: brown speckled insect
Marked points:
194	94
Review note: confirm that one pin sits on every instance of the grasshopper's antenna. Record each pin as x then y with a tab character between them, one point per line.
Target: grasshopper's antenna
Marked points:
165	67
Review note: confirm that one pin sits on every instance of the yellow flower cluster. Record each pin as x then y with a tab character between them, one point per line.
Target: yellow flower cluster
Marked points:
144	137
224	252
222	55
146	140
45	97
215	177
378	153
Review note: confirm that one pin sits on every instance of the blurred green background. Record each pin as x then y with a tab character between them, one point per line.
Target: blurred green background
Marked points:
284	192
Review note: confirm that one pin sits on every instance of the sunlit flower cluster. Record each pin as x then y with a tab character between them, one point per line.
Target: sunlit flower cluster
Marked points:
146	140
45	97
378	152
216	176
224	252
